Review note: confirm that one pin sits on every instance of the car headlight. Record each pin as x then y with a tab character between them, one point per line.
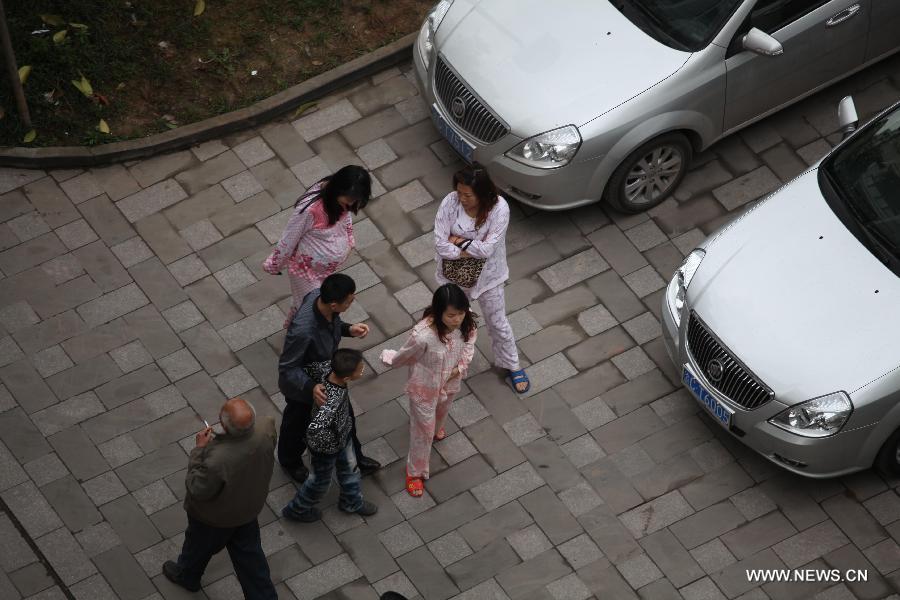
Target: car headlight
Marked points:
429	27
548	150
677	289
819	417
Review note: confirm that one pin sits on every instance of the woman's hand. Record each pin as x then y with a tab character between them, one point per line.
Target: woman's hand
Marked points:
270	266
454	373
456	240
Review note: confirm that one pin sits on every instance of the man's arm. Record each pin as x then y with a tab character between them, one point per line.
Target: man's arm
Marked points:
290	365
202	481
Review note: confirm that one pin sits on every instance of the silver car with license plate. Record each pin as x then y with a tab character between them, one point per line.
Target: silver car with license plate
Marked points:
571	102
785	325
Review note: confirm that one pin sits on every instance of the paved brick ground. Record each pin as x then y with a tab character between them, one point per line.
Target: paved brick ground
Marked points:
132	301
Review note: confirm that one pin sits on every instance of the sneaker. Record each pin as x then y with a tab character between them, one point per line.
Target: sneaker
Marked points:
366	509
298	473
310	516
173	574
367	465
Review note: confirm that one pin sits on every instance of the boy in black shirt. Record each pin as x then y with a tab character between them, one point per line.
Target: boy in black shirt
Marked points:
331	449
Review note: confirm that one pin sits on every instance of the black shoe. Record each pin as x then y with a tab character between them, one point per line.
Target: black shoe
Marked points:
298	473
367	509
173	574
367	465
310	516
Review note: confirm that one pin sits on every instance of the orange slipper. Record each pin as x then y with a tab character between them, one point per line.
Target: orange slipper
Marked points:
415	486
441	434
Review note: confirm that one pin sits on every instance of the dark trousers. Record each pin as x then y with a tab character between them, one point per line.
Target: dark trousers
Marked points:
202	541
292	437
324	467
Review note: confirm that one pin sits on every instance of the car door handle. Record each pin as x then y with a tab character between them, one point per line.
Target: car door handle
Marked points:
844	15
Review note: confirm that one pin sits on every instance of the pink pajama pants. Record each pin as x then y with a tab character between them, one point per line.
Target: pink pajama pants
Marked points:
426	416
503	342
300	287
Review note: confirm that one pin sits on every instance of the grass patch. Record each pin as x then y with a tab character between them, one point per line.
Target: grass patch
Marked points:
154	66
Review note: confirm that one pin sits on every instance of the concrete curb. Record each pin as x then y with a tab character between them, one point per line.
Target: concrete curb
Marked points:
68	157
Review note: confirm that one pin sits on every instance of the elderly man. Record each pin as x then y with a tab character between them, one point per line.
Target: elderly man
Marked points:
227	483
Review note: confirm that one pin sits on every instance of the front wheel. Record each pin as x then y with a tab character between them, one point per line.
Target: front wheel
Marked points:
888	460
649	174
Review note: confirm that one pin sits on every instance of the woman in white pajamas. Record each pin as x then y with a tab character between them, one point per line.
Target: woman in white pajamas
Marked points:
471	223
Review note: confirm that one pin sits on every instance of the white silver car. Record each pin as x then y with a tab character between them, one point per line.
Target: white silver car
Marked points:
785	325
572	101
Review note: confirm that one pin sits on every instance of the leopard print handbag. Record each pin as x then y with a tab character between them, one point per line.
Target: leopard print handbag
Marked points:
464	272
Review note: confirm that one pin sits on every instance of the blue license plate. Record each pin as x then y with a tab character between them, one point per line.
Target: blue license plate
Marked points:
456	141
719	411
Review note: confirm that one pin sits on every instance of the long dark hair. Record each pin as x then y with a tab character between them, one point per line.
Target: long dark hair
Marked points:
352	181
476	177
445	296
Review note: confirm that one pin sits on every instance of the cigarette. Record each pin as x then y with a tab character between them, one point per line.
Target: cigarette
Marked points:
205	422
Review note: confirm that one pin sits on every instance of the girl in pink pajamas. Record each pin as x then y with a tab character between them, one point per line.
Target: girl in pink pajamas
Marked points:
438	352
319	235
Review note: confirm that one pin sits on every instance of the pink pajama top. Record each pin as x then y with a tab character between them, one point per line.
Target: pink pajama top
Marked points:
431	362
309	247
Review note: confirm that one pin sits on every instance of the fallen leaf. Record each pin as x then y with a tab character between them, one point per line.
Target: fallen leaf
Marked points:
120	87
54	20
102	127
24	72
102	99
302	109
60	36
78	25
317	63
29	137
199	7
84	86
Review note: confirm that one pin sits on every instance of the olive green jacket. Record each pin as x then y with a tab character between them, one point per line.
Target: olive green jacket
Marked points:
228	480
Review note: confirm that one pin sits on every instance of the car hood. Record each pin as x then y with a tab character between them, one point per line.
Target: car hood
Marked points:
541	65
792	293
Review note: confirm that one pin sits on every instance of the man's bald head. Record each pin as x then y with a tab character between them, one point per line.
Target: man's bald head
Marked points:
237	416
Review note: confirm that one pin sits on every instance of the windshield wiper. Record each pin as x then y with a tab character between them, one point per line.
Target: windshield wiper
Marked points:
657	23
649	19
878	244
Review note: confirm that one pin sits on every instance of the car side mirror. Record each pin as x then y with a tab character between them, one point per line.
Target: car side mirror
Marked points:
847	117
760	42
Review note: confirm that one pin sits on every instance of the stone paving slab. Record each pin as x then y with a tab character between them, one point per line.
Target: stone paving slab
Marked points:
133	300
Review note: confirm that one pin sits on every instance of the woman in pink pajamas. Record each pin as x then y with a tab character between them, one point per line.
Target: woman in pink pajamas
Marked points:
319	235
438	352
471	223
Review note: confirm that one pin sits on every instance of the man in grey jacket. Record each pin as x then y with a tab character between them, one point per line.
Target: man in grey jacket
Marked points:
227	483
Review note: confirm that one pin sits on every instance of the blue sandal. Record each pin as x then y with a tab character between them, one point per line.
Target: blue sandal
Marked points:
517	377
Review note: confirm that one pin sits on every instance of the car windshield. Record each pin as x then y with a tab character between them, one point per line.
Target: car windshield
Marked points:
866	175
682	24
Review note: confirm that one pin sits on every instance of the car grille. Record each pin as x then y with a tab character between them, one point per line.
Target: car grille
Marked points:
477	120
736	382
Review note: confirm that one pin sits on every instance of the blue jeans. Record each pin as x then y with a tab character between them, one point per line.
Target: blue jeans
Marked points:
317	483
